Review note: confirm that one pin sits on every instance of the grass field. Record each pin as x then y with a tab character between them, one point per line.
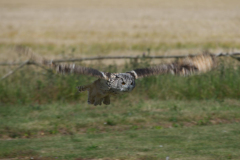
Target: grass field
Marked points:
147	130
42	116
53	27
200	143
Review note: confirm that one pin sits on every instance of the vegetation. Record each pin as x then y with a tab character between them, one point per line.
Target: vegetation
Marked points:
200	143
123	27
150	129
190	114
30	86
42	116
29	121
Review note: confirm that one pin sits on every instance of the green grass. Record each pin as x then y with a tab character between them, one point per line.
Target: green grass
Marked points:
42	116
27	121
204	143
141	129
195	117
31	85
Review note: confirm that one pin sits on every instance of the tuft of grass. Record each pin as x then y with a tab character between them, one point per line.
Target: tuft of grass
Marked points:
92	147
19	153
110	122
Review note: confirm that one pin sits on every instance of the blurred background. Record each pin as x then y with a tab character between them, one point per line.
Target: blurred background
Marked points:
120	27
194	117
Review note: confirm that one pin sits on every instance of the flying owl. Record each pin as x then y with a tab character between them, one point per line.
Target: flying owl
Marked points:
109	84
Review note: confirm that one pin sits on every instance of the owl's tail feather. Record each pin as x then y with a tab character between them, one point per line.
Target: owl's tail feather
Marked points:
106	100
82	88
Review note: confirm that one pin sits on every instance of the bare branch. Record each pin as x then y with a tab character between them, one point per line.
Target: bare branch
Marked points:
10	64
121	57
13	71
39	65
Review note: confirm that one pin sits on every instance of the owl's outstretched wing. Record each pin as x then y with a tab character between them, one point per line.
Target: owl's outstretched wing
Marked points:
61	68
76	69
187	66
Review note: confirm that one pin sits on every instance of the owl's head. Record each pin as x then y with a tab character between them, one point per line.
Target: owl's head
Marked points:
122	82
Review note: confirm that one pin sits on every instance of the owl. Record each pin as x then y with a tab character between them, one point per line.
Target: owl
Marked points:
109	84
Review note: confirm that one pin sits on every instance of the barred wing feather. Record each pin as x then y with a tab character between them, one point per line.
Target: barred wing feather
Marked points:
187	66
75	69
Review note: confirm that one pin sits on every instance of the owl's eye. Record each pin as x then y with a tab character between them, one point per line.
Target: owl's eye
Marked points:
132	83
123	83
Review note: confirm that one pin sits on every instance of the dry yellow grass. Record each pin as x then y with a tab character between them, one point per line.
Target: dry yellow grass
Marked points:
121	24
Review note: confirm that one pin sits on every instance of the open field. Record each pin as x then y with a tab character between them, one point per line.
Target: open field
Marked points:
35	120
182	130
46	116
220	142
42	116
194	117
90	27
